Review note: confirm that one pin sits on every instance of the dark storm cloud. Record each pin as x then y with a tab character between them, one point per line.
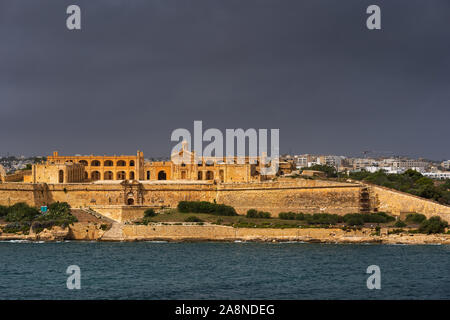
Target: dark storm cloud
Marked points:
139	69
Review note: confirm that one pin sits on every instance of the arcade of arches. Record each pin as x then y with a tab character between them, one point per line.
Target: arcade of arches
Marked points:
134	167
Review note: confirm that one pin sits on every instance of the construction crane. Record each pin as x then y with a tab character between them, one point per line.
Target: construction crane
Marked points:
376	153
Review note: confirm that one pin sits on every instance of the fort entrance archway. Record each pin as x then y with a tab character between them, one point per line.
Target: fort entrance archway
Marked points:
162	175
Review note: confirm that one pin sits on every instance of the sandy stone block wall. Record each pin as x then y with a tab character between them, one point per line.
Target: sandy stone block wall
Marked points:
215	232
170	195
84	195
136	232
398	203
11	193
338	200
85	231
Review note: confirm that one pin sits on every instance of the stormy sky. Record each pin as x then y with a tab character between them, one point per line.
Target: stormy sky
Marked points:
139	69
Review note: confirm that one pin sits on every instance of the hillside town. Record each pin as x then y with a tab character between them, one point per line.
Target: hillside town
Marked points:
390	165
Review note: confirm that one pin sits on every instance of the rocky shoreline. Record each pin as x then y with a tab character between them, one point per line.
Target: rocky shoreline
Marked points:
196	233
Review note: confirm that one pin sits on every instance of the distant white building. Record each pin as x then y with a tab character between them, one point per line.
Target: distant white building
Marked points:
304	160
361	163
330	160
446	164
406	164
437	175
372	169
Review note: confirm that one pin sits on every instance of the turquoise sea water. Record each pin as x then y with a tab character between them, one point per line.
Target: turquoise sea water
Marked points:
149	270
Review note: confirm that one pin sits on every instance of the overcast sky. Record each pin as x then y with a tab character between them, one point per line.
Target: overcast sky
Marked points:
139	69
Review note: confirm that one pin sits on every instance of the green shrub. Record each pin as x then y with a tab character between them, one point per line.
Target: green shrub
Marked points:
377	217
59	208
361	218
150	213
38	226
206	207
252	213
433	225
21	212
3	211
415	218
294	216
400	224
377	230
59	213
354	219
396	231
286	215
16	227
324	218
224	210
193	219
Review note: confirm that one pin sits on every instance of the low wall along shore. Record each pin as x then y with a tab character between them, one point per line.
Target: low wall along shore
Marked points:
89	231
224	233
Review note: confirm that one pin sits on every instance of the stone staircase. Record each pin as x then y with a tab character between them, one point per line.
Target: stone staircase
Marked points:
115	233
364	200
98	215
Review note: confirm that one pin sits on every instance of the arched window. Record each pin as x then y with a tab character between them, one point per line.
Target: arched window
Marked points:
121	175
121	163
200	175
108	163
84	162
162	175
131	163
108	175
221	175
95	175
131	175
209	175
183	164
95	163
61	176
148	175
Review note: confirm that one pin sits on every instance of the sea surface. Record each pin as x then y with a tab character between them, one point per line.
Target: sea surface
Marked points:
208	270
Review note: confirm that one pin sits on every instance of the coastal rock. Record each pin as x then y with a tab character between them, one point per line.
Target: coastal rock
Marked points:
56	233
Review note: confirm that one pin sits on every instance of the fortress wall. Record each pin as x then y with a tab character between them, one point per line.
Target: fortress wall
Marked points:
300	195
11	193
307	196
85	195
169	195
400	203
